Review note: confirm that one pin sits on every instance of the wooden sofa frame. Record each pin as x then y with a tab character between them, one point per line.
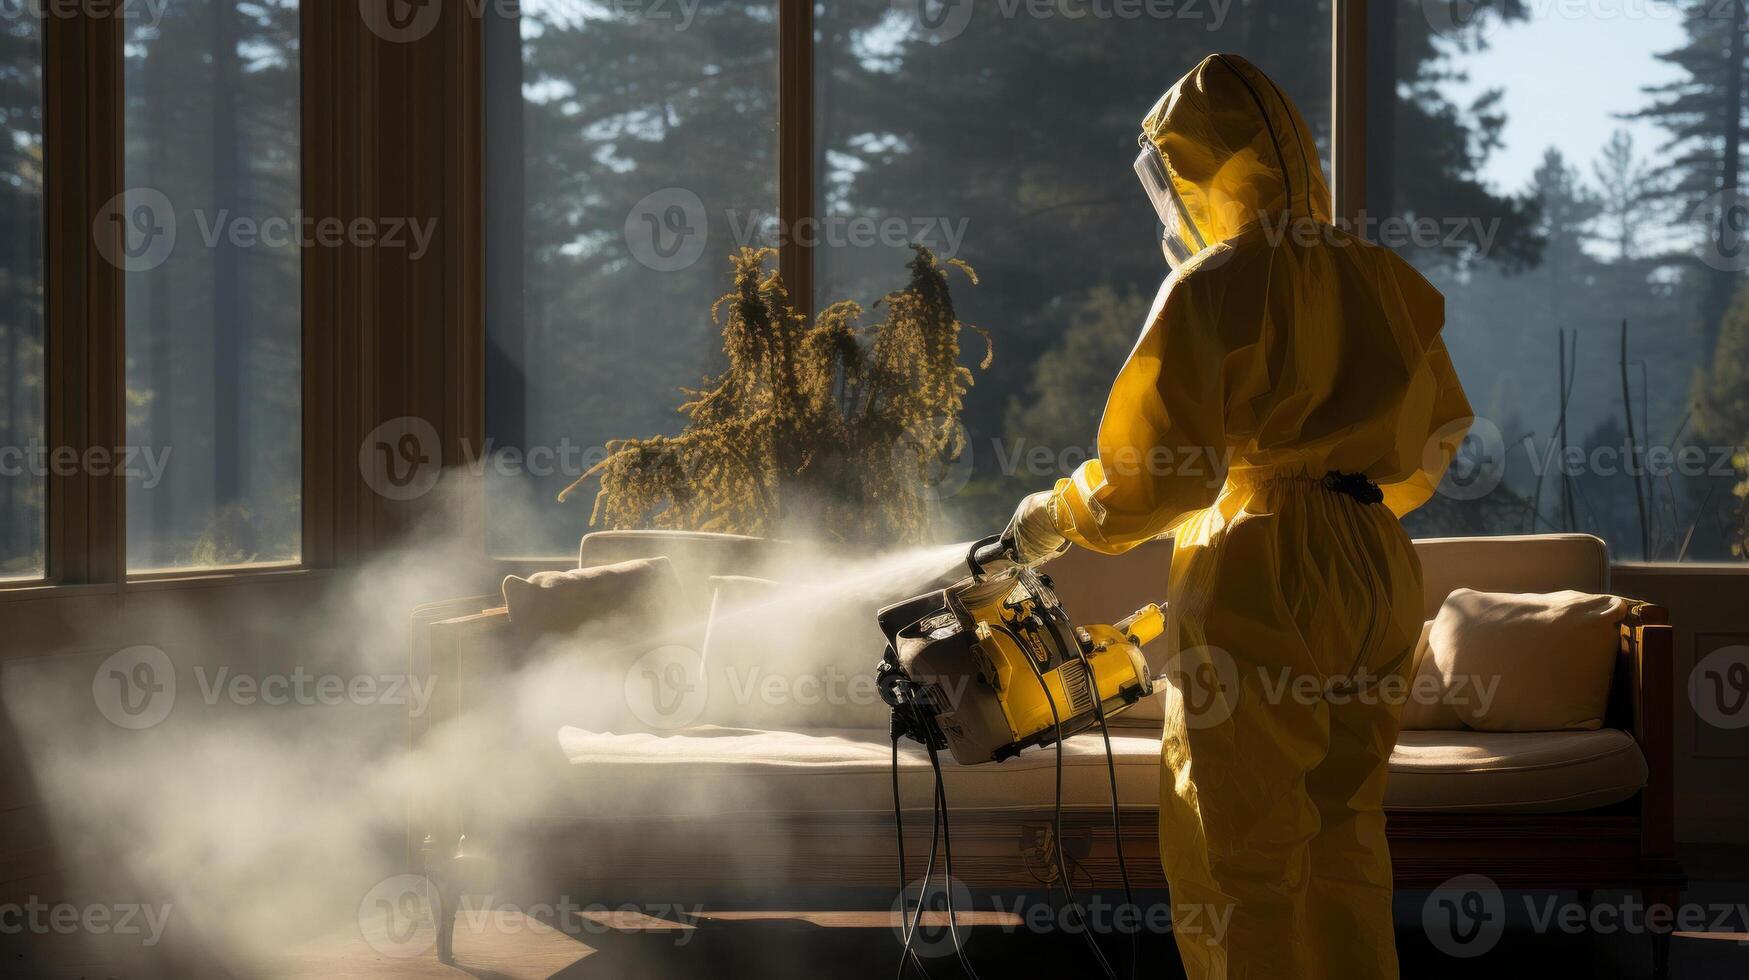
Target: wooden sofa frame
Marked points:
1631	845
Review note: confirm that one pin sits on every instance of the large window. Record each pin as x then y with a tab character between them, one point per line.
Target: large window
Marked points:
23	468
1567	175
630	148
1003	135
628	154
212	231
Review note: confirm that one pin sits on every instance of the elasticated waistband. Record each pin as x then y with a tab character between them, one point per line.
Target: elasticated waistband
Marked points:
1353	485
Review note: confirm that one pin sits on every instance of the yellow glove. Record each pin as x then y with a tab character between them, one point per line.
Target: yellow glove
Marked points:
1033	530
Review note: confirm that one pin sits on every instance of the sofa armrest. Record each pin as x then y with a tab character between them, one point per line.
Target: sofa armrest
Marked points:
1642	702
458	654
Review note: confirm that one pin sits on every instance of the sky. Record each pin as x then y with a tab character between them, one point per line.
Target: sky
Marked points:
1566	72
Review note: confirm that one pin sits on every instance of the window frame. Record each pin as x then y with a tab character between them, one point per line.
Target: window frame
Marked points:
382	336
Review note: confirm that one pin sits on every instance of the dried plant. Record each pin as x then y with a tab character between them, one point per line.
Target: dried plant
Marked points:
823	430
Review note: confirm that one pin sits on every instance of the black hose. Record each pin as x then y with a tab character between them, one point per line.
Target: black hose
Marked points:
953	928
1123	868
1057	811
908	925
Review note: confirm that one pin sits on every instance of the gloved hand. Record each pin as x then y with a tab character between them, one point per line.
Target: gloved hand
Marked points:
1033	530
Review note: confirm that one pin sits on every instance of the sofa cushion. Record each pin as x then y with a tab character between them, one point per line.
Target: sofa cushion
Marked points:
706	771
1511	563
1548	658
1517	772
697	555
1428	707
624	596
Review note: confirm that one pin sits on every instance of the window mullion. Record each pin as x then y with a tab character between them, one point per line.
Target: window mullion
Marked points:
83	301
795	147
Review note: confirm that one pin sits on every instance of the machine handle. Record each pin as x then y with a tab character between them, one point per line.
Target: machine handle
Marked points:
1143	625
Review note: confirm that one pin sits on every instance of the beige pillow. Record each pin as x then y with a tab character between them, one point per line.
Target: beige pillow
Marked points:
1525	662
1429	705
608	599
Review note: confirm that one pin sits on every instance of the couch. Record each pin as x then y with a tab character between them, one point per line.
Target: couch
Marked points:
735	812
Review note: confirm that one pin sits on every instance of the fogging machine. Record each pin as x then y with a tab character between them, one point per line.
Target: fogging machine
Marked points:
992	664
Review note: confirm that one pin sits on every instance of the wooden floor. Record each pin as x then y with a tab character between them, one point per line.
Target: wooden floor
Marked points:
509	946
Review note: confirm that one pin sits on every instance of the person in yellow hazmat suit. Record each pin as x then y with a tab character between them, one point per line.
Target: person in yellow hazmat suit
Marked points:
1290	398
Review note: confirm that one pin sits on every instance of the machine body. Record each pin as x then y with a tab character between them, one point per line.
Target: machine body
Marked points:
992	664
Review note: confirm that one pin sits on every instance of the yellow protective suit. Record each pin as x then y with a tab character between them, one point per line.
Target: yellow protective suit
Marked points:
1285	350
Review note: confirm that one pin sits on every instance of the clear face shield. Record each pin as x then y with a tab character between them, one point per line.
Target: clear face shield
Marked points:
1168	206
